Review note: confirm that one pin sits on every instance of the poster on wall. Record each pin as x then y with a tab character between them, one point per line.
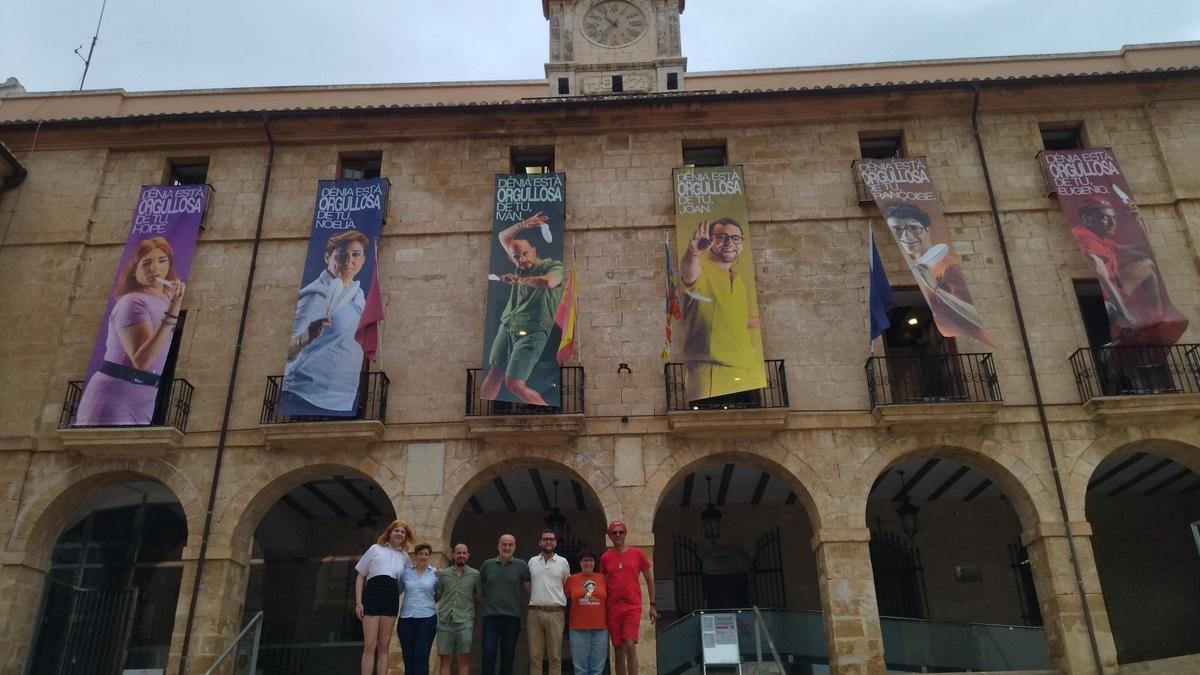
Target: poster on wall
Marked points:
1109	230
720	340
122	381
525	286
325	351
903	191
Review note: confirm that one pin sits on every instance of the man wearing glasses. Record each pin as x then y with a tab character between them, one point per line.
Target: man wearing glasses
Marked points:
547	598
621	566
721	343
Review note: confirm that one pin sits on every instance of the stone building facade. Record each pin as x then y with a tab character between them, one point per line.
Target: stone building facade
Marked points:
979	124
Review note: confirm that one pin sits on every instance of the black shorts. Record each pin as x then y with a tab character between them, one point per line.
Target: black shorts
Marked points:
381	596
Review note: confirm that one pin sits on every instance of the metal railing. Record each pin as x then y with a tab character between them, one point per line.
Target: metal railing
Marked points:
570	388
372	401
936	378
1136	371
243	651
171	409
774	395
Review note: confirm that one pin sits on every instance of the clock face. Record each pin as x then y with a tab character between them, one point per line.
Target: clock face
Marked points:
614	23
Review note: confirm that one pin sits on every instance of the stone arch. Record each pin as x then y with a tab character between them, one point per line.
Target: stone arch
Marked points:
251	498
810	488
472	475
1032	500
44	517
1183	449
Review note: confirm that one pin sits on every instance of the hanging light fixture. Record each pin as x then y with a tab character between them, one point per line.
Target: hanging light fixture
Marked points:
711	516
556	521
906	510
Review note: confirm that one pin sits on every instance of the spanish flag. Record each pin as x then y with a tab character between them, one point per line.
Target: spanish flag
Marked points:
671	305
565	315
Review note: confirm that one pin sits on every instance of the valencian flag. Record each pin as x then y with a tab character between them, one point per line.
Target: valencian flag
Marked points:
879	296
525	290
141	319
721	338
671	303
905	196
566	314
339	305
1109	230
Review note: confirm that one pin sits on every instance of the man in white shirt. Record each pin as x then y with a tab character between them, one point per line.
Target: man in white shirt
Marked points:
547	598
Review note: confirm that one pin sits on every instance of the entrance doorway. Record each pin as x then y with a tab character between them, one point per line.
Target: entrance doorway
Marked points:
110	595
302	574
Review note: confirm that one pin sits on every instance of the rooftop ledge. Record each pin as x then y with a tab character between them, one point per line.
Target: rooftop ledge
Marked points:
541	429
736	423
1143	408
122	442
341	434
966	416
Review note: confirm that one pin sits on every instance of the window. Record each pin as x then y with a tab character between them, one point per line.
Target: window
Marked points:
533	160
672	81
187	171
618	84
880	145
360	166
1062	136
1093	312
564	86
706	152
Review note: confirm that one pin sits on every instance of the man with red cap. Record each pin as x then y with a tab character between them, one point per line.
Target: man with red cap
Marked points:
621	566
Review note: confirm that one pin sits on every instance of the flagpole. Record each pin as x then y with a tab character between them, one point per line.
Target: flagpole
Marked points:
870	270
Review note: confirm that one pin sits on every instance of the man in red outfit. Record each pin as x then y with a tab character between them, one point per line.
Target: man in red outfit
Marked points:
621	566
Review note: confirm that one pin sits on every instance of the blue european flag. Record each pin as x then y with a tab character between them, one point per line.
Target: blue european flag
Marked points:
880	294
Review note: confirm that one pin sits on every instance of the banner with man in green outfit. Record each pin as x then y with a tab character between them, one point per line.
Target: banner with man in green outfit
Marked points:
525	286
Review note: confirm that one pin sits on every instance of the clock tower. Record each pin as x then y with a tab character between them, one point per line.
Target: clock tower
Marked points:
614	46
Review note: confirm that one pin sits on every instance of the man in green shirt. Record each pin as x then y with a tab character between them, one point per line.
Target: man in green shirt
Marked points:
457	589
528	317
505	585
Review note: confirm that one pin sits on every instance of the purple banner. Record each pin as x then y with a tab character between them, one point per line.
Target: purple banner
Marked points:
325	355
122	381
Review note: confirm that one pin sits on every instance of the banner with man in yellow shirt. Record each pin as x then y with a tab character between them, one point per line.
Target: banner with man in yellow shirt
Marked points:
721	338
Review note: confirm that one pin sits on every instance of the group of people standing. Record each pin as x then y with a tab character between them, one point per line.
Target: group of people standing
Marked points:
603	602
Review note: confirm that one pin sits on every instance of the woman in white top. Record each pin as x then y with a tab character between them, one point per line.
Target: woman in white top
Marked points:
377	593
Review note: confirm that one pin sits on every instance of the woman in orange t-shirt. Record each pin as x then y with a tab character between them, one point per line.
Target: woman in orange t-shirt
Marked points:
589	630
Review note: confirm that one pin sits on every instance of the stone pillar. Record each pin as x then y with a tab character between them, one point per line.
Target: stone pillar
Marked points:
218	609
21	587
852	634
1067	639
647	647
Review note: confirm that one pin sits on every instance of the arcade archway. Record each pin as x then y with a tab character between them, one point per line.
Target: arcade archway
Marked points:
302	574
1144	508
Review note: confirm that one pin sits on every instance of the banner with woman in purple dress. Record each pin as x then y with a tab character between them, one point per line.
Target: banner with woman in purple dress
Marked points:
123	375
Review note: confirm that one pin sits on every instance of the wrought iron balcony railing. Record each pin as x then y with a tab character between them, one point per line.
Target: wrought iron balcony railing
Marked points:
936	378
1136	371
774	395
372	402
171	409
570	387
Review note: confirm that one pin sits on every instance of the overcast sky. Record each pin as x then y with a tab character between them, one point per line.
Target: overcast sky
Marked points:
176	44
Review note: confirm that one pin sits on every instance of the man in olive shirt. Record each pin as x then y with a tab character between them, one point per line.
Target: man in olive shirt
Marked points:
457	589
505	585
528	317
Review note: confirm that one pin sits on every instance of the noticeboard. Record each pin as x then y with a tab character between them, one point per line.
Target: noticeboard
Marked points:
719	639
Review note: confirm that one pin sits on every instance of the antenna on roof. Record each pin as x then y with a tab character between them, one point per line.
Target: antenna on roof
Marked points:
88	61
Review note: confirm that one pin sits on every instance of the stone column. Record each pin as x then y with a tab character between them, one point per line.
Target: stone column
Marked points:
21	587
219	609
647	647
1067	639
850	613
